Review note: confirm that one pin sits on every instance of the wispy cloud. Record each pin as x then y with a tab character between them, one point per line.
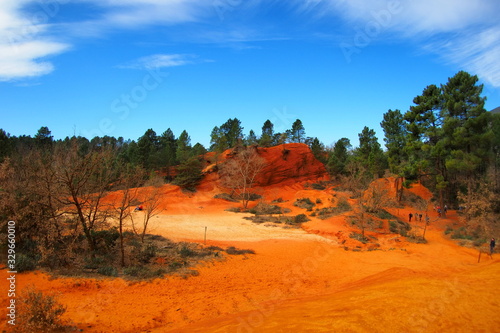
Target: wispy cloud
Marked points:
24	45
157	61
465	34
135	13
478	52
25	59
416	17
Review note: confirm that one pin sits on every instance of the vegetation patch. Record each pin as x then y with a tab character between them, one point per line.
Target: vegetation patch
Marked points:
474	235
263	209
318	186
235	251
295	221
416	239
358	237
39	312
399	227
327	212
304	203
238	197
153	258
413	200
384	215
225	196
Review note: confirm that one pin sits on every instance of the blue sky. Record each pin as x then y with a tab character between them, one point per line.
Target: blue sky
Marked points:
117	68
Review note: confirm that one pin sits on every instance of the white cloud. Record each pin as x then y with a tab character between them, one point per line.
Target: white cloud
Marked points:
157	61
22	60
134	13
465	34
23	44
416	17
478	53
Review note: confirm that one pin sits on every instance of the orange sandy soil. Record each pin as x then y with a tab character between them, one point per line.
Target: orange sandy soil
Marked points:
299	280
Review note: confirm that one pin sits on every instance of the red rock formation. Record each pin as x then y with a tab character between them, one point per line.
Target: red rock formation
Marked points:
288	164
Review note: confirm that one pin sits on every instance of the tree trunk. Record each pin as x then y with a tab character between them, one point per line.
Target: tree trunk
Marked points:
122	248
86	230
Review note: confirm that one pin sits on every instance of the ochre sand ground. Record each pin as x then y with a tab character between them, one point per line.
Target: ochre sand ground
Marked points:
299	280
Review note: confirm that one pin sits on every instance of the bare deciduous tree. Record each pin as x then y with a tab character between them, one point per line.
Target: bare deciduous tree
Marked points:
240	171
84	179
375	197
479	208
151	207
129	183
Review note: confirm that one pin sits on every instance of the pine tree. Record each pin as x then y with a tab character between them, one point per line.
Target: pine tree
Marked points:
267	137
370	153
168	151
251	138
395	142
5	145
467	136
233	132
297	133
318	150
198	150
43	138
338	157
147	148
183	147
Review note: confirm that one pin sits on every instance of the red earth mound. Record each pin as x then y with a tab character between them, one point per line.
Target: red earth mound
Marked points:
285	164
288	164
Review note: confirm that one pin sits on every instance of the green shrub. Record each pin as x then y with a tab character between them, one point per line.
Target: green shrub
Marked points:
225	196
343	205
38	312
143	272
479	242
266	209
318	186
305	203
108	236
186	251
175	265
234	251
461	233
301	218
249	196
399	227
147	253
358	237
448	230
214	248
94	263
234	210
107	271
25	263
384	215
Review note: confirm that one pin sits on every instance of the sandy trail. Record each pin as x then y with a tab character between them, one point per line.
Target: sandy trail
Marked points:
295	282
223	227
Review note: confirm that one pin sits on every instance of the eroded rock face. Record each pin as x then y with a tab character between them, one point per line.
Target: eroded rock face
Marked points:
284	164
289	163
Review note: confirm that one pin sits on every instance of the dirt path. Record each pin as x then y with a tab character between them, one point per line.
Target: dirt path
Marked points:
295	282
